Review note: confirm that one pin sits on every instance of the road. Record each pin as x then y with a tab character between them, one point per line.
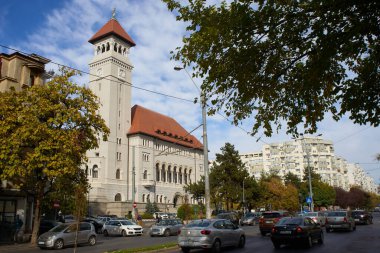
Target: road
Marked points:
366	239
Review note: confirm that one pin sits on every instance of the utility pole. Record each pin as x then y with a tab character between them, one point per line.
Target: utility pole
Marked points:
133	182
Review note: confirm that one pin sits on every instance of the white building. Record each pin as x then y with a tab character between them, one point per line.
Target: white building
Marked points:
148	156
296	155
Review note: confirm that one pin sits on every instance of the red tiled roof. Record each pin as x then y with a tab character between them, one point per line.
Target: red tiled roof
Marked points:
112	27
145	121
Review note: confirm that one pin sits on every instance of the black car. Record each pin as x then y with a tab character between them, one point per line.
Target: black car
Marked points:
46	225
98	225
362	217
296	231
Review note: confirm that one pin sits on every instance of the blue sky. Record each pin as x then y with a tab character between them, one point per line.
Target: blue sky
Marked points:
59	30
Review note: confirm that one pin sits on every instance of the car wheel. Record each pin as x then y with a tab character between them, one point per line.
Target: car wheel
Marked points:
241	242
309	242
92	240
105	233
167	233
276	245
321	238
58	244
328	230
354	228
185	250
216	247
123	233
263	233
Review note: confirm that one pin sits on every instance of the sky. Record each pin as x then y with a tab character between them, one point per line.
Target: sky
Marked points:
59	30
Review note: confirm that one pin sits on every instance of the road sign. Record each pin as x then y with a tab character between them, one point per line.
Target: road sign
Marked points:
134	205
308	200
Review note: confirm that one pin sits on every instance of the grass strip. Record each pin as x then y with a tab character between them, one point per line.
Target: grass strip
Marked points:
148	249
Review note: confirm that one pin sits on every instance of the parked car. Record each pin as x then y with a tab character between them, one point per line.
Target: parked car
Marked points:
318	217
65	234
98	226
166	227
231	216
250	219
296	230
269	219
362	217
121	227
340	220
46	225
210	234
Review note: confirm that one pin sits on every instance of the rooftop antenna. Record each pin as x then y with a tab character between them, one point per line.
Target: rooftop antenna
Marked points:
114	13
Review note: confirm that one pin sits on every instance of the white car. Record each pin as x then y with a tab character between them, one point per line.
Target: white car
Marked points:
121	227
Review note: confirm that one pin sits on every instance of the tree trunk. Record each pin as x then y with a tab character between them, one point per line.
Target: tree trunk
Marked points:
37	216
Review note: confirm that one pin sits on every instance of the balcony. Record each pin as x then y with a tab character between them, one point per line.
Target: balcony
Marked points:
147	183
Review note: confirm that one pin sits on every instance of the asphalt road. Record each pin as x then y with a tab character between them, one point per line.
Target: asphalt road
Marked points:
366	239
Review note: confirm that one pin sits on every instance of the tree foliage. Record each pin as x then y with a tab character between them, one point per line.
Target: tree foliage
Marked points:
285	61
196	189
45	132
226	177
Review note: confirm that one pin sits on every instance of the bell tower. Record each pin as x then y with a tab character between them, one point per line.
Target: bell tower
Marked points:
110	80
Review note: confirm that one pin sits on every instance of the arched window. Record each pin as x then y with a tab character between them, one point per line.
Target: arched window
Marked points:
108	46
143	198
103	48
157	198
98	50
145	175
157	172
95	171
118	197
169	174
115	47
87	170
119	51
163	176
161	199
148	198
180	175
185	175
190	176
175	175
124	51
118	174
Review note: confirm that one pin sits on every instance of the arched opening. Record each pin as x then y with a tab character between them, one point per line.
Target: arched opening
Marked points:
108	46
95	171
118	174
180	175
118	197
119	51
157	172
143	198
190	176
115	47
175	175
185	176
145	175
103	48
163	172
169	174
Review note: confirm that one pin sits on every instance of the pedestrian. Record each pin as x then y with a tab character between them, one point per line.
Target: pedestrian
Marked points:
18	226
158	218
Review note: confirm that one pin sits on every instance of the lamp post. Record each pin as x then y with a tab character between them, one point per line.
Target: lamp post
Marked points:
309	174
205	145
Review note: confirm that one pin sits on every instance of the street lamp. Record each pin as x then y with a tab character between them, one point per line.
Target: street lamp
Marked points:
205	145
309	172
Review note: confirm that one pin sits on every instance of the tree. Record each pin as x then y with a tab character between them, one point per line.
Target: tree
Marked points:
293	179
45	132
285	61
197	189
226	177
323	194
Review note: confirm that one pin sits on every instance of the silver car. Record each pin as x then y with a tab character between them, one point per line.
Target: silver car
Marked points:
121	227
166	228
65	235
210	234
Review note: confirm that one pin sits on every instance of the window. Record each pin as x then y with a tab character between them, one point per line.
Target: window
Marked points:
97	154
118	174
143	198
163	173
169	174
118	156
146	157
118	141
145	143
145	175
201	168
118	197
95	171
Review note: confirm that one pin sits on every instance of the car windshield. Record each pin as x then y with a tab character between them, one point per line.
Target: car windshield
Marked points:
127	222
249	215
199	223
311	214
165	222
288	221
338	214
59	228
271	215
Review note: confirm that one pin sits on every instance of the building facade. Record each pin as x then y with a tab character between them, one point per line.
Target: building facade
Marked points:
18	71
148	157
296	155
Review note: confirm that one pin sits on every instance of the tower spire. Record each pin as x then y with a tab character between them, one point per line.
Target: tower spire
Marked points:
114	13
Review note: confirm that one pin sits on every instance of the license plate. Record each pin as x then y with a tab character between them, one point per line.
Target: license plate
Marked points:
41	243
285	232
268	221
356	219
